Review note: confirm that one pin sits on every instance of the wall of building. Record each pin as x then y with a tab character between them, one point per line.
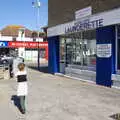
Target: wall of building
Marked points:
9	38
61	11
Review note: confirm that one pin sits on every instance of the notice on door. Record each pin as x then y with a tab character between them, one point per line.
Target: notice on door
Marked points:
104	50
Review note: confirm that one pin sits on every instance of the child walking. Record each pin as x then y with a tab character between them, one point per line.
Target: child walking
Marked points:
22	86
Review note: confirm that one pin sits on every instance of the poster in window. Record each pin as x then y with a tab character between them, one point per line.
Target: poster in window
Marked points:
104	50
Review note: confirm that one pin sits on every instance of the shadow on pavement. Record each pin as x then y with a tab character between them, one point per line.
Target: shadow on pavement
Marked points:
43	69
115	116
16	100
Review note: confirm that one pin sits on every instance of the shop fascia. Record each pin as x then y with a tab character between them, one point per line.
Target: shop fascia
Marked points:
107	18
86	24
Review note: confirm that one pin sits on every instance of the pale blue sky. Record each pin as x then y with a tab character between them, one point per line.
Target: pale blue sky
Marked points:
21	12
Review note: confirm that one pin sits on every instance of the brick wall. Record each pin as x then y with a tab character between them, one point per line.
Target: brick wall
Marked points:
61	11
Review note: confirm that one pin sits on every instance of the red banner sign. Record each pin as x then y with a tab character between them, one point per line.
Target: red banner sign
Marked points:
17	44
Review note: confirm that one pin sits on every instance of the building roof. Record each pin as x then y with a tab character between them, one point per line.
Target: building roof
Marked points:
12	30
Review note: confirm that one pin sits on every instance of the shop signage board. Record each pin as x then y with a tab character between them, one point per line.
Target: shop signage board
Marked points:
104	50
27	44
86	23
83	12
3	44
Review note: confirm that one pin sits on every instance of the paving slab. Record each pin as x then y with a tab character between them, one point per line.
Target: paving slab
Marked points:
53	97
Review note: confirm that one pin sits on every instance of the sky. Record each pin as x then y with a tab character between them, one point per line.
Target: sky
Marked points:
21	12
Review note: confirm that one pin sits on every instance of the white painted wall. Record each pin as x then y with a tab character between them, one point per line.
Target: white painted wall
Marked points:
5	38
9	38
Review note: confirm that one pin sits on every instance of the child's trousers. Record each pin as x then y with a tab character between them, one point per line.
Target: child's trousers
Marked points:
22	103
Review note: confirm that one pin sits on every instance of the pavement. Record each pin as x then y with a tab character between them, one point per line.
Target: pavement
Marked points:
53	97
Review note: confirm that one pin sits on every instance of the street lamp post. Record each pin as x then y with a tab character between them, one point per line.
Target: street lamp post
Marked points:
36	4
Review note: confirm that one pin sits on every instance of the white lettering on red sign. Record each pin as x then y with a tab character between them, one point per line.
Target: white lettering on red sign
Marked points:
27	44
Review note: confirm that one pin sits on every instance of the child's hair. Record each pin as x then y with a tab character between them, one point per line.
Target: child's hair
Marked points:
21	66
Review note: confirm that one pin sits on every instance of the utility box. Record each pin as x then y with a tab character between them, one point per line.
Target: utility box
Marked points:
16	61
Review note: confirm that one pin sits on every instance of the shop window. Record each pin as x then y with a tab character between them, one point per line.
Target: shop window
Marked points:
118	54
62	49
42	53
34	39
80	50
34	36
118	48
14	38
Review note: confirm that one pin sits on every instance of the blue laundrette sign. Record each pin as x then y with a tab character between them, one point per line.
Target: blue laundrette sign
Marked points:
85	25
3	44
108	18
